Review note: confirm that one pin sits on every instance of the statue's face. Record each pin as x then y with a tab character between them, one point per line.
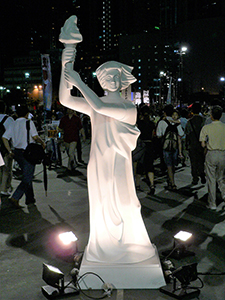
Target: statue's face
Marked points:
112	81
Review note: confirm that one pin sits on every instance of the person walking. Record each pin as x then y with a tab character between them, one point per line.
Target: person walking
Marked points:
17	132
170	157
195	150
212	138
6	169
71	126
145	163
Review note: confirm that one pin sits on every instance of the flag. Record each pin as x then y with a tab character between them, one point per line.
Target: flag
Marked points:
47	81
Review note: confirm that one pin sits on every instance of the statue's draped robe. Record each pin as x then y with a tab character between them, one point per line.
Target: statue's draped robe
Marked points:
117	230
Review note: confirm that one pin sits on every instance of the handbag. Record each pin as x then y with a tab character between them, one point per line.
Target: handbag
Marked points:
34	153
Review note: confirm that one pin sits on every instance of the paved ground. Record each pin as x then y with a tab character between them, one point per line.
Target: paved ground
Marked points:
26	235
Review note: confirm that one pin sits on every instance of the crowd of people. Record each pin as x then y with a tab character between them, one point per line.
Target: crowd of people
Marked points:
178	134
168	134
15	137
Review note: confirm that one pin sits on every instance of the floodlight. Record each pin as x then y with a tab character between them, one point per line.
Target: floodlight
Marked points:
52	275
56	286
182	289
181	240
186	274
67	237
63	243
183	235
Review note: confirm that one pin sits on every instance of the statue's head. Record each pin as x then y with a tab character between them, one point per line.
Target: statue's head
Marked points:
113	68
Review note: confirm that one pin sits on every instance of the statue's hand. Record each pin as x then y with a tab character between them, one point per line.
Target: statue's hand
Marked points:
71	76
68	55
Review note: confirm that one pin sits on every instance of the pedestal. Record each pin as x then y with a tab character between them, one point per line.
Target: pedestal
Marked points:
147	274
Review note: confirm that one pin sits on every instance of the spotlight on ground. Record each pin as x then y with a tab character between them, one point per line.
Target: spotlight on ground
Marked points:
181	240
56	286
67	237
180	287
63	243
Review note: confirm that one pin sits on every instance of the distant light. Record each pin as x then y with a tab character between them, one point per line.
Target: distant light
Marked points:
183	235
156	27
18	87
27	75
222	78
184	49
67	237
35	87
94	74
179	79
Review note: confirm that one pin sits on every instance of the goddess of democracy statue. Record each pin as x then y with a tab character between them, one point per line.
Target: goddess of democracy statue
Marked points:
117	231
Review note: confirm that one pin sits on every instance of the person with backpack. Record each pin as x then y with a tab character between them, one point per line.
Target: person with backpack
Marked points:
17	132
168	132
6	169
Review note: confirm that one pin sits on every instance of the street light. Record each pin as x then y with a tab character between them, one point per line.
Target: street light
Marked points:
181	52
184	49
27	76
161	75
222	80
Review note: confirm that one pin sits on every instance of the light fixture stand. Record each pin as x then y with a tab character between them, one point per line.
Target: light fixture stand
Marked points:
178	253
67	289
179	293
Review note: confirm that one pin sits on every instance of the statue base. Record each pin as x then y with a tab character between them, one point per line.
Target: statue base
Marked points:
147	274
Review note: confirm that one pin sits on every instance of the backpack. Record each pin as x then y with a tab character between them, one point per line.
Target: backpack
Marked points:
34	153
170	139
3	149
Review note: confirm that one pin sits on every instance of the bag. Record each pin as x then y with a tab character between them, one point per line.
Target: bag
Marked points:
34	153
170	140
3	149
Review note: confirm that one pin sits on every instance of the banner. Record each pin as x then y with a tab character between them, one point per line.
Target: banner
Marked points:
126	93
47	81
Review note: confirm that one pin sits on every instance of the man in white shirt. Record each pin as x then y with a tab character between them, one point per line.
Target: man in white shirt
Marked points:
17	132
212	137
6	170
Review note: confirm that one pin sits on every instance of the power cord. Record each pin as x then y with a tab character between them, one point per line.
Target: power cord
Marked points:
106	287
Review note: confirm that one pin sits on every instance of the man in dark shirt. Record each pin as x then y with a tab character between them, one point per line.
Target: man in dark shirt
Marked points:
143	155
196	152
71	126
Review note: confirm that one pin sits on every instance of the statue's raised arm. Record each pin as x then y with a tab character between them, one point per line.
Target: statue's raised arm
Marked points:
112	76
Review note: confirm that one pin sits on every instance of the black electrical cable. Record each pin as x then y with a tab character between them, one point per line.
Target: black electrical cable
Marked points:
90	273
85	274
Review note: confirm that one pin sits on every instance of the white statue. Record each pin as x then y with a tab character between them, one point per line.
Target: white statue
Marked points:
1	160
117	230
